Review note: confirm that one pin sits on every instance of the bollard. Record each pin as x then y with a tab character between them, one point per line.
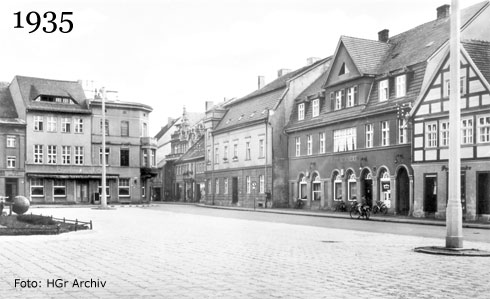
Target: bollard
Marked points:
63	219
58	229
76	223
90	224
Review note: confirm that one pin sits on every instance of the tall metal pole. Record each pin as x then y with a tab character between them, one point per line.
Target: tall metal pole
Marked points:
454	222
103	200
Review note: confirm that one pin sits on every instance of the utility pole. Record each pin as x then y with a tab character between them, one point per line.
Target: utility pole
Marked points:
103	200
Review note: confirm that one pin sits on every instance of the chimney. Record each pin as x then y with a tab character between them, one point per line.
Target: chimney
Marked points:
311	60
384	35
261	82
282	72
443	11
209	105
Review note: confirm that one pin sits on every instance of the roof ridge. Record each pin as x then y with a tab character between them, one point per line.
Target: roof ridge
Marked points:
366	39
45	79
475	41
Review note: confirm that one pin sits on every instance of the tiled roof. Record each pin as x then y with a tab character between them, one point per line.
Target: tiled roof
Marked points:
479	52
368	55
196	151
7	109
165	128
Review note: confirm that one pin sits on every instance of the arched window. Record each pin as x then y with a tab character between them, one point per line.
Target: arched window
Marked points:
352	187
385	187
316	188
302	188
337	187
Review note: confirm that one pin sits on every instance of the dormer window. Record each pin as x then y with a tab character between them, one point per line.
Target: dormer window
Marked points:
351	96
54	99
343	70
339	94
301	111
401	86
316	107
383	90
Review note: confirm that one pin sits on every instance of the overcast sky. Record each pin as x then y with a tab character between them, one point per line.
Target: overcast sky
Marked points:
172	53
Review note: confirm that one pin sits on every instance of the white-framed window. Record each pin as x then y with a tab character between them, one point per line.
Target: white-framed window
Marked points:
51	121
107	152
337	187
431	134
402	131
143	191
483	129
65	125
261	184
78	125
153	157
65	154
209	155
401	85
52	153
247	151
11	161
351	96
38	123
107	189
216	155
106	127
59	188
125	128
316	107
298	146
38	154
309	144
369	135
447	86
351	187
209	191
235	151
467	131
385	133
247	182
383	90
216	187
144	130
79	155
322	143
124	187
11	141
225	153
339	94
37	187
444	133
261	148
316	189
145	157
301	111
344	140
225	191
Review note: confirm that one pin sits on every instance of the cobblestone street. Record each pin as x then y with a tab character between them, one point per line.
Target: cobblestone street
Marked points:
142	252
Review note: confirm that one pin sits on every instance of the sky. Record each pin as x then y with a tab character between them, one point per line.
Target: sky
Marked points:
174	53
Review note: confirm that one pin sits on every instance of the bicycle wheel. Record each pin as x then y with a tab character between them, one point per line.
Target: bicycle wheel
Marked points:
354	213
375	209
384	210
367	214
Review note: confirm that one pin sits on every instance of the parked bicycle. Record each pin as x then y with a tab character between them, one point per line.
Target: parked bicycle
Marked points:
299	204
357	211
340	207
380	207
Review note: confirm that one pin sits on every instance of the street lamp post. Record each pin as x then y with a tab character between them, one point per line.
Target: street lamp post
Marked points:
103	200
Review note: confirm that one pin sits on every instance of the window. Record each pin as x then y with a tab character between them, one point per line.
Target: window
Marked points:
302	189
431	135
107	189
351	96
298	146
51	124
124	188
37	187
462	87
344	140
444	133
10	141
65	125
144	130
125	128
216	155
247	151
247	180
59	188
235	151
124	159
209	155
316	107
343	69
309	144
351	187
66	154
467	131
143	191
402	131
261	184
369	135
261	148
145	158
316	189
38	123
216	187
484	129
225	153
337	187
322	143
38	154
107	151
78	125
225	191
10	161
401	86
383	90
106	127
385	133
301	111
153	158
51	154
79	155
338	99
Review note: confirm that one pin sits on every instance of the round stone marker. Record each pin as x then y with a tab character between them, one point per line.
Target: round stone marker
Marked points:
20	205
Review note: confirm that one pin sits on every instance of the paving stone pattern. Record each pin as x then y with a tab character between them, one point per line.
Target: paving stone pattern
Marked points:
144	253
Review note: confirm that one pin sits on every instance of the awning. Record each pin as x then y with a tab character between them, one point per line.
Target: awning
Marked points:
71	176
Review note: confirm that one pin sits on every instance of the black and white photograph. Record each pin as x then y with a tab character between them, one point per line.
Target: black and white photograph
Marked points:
245	149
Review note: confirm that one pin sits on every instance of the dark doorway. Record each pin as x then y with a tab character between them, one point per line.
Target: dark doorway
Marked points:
157	194
430	193
234	191
483	184
367	187
197	187
402	192
11	189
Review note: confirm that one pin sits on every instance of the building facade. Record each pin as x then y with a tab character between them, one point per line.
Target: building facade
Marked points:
189	173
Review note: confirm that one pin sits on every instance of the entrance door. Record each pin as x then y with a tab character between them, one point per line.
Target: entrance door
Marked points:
234	186
367	189
430	193
198	192
483	185
402	192
11	189
82	192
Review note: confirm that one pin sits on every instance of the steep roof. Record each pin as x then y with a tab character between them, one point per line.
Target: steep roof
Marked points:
368	55
165	128
479	52
8	108
195	152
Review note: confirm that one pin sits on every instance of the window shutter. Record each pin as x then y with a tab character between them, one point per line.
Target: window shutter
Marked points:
342	98
356	96
332	101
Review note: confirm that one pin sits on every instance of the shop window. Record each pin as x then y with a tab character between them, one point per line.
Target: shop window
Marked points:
352	187
59	188
337	187
316	188
37	187
124	188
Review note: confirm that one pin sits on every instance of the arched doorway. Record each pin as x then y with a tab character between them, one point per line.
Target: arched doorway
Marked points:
351	185
337	186
402	192
302	188
316	191
385	187
367	186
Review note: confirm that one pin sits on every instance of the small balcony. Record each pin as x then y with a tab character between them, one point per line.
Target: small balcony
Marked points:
148	141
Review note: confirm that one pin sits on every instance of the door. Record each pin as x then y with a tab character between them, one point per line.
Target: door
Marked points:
82	191
483	185
403	192
234	186
368	189
198	192
11	189
430	193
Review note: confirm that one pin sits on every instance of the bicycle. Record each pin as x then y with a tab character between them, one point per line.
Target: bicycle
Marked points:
358	211
380	207
299	204
340	207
